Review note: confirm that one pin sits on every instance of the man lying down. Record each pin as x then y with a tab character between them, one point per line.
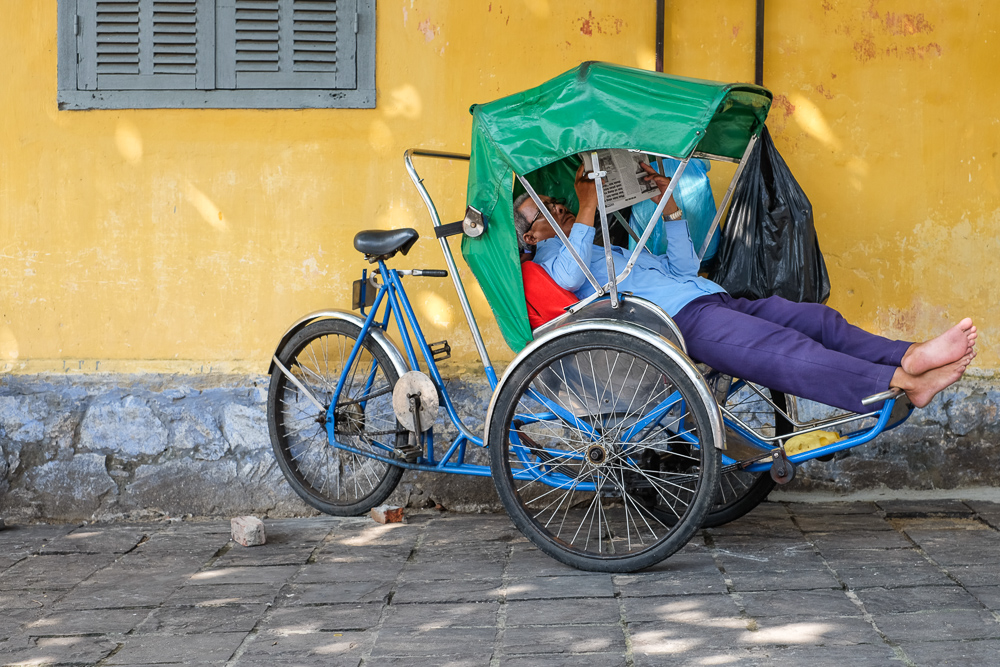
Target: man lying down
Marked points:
803	349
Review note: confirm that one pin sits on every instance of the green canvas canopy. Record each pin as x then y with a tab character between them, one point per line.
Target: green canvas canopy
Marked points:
593	106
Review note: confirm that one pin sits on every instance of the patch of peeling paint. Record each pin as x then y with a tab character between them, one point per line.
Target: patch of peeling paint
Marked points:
906	24
610	26
781	109
784	105
428	29
864	50
916	52
879	32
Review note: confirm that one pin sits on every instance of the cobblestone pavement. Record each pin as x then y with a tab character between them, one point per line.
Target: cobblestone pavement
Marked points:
893	582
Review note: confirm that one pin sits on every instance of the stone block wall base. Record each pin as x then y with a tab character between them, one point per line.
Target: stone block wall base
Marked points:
142	447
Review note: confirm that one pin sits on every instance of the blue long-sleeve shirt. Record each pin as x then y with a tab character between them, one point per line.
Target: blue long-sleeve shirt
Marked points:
670	280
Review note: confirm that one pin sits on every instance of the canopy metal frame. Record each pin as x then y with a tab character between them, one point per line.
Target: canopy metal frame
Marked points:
597	175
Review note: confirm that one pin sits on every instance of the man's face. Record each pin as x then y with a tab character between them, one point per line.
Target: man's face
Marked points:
540	228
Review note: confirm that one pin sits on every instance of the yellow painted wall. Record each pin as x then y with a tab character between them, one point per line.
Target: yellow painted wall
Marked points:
187	240
887	113
183	240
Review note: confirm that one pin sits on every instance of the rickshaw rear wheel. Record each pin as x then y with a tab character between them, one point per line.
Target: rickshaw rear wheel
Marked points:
333	480
592	437
741	491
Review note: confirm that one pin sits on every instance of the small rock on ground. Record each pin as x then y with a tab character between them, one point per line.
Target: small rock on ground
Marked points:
248	531
387	514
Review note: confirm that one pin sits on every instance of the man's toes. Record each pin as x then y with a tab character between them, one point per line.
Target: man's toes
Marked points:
966	324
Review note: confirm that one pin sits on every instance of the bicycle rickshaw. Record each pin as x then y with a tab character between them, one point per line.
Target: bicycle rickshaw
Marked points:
609	447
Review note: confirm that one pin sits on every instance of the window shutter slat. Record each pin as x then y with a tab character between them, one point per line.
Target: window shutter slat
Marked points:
118	31
175	23
149	44
315	27
258	36
286	44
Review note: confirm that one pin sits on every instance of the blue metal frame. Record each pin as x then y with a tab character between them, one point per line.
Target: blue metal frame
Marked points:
392	295
391	298
853	439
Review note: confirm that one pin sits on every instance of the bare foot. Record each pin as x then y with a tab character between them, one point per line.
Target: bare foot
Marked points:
921	389
946	349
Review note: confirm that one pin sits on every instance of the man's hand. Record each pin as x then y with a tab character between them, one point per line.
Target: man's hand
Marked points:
662	182
586	190
586	193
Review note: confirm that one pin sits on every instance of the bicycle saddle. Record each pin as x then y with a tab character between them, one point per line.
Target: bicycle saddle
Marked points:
385	243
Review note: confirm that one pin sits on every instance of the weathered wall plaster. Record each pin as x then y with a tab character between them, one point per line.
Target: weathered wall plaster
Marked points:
148	446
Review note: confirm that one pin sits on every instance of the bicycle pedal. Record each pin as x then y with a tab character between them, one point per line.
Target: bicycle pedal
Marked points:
440	350
409	452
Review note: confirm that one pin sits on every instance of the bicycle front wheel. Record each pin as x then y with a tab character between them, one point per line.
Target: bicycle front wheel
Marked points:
335	481
601	450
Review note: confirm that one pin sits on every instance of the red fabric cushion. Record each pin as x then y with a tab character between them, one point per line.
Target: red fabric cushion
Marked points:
546	299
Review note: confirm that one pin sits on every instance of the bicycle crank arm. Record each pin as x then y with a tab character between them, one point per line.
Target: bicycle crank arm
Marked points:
294	380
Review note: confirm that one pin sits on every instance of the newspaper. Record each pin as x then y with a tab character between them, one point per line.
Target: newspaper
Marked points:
624	184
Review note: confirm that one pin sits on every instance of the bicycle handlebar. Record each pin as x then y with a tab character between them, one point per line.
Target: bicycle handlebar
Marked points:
429	273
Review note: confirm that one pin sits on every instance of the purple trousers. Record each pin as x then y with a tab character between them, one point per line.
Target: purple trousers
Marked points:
802	349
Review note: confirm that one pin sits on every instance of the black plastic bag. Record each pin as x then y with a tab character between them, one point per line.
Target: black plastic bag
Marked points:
768	245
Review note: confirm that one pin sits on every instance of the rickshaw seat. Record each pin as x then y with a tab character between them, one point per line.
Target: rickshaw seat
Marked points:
385	243
545	299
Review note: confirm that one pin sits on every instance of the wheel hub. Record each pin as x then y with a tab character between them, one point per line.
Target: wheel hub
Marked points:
597	455
351	419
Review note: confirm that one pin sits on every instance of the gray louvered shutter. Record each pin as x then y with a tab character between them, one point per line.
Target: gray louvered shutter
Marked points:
146	45
287	44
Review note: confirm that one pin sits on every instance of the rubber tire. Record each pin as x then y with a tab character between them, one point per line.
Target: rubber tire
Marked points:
389	476
759	489
498	429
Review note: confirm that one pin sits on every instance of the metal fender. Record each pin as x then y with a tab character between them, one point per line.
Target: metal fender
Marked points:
382	340
633	310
